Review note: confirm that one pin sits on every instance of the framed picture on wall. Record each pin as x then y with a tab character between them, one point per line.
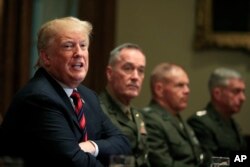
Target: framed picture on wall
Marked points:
222	24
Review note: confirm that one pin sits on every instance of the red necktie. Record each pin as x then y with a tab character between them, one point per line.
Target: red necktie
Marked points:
79	111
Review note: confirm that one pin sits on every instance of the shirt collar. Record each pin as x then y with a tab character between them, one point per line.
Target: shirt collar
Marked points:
67	90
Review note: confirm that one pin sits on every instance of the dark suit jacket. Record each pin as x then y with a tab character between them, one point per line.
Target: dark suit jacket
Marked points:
42	128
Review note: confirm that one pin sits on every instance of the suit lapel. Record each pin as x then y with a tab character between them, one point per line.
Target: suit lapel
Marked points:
61	95
70	109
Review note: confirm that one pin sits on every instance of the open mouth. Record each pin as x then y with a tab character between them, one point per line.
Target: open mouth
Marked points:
77	65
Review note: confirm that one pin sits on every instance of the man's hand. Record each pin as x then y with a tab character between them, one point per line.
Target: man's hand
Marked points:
88	146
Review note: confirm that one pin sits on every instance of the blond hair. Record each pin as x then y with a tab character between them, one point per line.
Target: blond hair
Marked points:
49	31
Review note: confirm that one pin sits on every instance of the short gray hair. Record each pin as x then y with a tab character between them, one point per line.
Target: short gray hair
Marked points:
115	53
220	76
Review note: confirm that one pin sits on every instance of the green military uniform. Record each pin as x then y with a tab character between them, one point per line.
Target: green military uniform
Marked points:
217	136
133	128
172	142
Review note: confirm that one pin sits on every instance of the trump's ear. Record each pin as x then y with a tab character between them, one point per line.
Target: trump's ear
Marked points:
44	57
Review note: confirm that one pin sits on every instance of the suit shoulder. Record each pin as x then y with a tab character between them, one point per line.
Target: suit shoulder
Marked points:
85	89
87	92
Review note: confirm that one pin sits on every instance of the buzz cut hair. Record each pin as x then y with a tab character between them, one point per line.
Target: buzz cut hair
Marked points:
115	53
220	77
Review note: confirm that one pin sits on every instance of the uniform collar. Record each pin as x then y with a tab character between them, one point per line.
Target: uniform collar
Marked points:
123	107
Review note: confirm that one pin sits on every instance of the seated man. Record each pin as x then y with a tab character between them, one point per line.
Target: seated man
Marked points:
54	120
214	126
125	74
171	141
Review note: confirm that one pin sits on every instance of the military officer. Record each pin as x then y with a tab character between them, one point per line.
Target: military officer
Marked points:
215	128
172	142
125	74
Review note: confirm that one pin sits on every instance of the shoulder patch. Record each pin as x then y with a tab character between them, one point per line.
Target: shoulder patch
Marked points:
201	113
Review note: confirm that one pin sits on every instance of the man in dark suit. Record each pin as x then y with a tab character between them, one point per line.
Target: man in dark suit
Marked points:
41	125
125	74
214	126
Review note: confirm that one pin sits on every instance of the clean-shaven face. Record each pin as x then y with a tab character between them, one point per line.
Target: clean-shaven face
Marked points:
233	96
68	56
126	76
176	90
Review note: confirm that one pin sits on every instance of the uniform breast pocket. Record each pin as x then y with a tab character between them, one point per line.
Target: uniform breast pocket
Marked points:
178	145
